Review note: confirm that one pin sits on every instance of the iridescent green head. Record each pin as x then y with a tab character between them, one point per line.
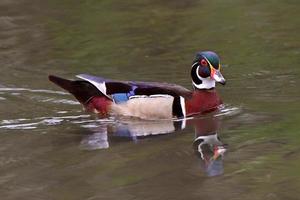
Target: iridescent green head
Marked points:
206	70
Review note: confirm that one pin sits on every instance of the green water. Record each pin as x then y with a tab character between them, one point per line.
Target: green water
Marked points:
51	149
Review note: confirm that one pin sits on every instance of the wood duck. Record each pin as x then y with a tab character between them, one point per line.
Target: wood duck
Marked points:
150	100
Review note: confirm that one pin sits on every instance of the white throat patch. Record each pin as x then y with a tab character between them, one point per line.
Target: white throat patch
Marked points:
207	83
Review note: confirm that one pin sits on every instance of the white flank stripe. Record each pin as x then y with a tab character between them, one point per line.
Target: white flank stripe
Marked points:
182	103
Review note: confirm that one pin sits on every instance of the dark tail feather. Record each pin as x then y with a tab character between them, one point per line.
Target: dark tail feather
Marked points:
64	83
82	90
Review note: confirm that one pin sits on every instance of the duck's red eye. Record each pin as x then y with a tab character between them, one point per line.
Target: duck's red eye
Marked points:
203	62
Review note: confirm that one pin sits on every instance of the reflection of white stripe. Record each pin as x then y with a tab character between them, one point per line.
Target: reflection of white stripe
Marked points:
99	86
182	104
183	124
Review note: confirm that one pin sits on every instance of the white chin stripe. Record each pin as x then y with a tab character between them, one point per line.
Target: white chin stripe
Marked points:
207	83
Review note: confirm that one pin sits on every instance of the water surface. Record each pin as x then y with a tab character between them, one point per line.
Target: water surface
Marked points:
51	149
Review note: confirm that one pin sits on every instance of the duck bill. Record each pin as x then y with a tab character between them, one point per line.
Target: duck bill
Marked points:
217	76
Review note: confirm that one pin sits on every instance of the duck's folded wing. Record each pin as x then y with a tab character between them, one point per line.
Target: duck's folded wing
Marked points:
106	86
110	87
151	88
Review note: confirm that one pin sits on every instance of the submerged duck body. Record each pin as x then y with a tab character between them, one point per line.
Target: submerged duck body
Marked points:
150	100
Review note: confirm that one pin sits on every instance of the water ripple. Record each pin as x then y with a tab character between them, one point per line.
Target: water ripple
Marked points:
38	121
228	110
33	90
60	101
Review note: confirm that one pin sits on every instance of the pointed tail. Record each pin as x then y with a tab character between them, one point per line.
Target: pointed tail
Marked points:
82	90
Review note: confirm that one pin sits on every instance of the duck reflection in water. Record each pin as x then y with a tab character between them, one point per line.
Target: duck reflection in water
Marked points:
128	129
206	144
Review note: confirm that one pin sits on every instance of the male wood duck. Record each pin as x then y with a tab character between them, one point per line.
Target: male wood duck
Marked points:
150	100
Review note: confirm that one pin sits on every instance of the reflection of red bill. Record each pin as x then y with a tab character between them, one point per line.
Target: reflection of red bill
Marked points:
218	151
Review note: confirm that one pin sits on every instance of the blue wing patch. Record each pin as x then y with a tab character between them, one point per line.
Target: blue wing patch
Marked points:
123	97
120	97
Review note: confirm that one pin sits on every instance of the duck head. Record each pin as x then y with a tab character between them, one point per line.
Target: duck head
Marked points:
206	70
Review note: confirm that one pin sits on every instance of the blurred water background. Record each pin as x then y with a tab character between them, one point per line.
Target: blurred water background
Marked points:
51	149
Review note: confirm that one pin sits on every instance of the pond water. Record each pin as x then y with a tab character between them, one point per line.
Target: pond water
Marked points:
51	149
